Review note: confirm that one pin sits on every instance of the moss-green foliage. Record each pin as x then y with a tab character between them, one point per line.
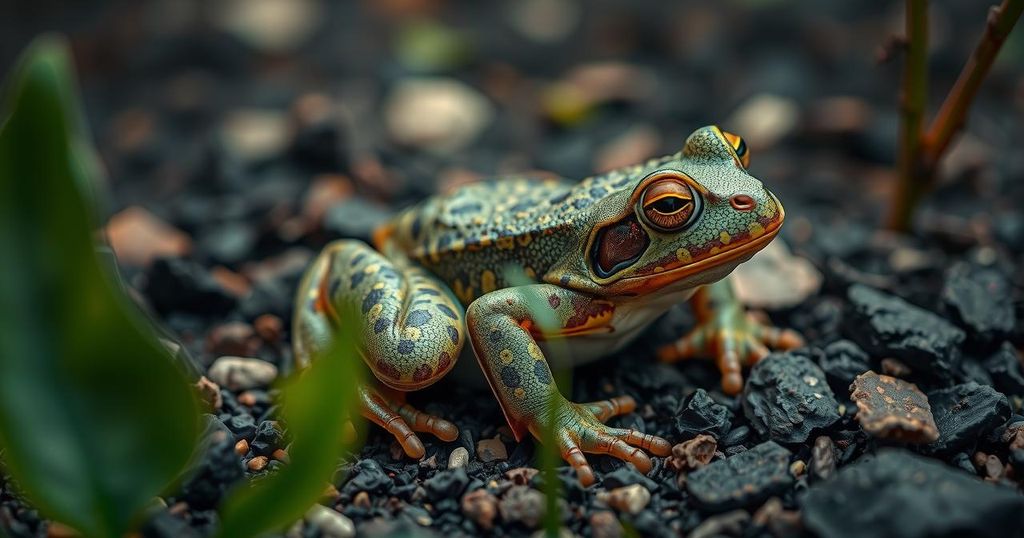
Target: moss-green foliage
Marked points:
95	417
316	404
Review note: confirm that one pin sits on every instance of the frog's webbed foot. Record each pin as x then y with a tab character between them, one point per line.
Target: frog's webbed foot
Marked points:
734	341
388	410
580	429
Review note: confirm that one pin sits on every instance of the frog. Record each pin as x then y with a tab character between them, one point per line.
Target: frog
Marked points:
522	267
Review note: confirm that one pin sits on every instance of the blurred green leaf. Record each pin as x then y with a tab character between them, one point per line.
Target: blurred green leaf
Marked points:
95	418
316	408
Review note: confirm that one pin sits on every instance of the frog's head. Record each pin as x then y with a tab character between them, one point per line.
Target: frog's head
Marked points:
688	221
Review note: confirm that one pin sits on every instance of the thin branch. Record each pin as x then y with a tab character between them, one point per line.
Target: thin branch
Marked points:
913	102
953	114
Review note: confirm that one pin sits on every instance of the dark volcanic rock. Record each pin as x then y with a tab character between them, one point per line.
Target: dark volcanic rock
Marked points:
448	484
885	325
842	362
368	476
174	284
700	414
742	480
787	398
964	413
979	299
897	494
1006	370
890	408
215	471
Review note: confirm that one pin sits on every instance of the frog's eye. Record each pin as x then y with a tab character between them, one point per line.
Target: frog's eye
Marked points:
668	205
739	147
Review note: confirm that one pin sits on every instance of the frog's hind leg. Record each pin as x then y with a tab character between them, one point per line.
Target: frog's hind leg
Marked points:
410	326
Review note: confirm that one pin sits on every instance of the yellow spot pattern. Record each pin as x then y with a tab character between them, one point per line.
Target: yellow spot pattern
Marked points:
724	237
487	281
506	356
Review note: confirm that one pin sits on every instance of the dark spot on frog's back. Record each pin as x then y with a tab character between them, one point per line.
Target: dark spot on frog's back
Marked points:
453	334
358	258
582	203
447	311
510	377
524	205
357	278
380	325
540	370
417	318
598	192
428	291
421	372
406	346
554	300
496	336
416	227
371	299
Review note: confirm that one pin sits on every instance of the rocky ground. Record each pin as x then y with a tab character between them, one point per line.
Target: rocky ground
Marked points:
241	138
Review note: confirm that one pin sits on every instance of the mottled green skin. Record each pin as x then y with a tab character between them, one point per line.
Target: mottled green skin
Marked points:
452	252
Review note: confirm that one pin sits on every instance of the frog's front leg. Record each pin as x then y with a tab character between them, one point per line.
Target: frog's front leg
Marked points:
728	333
504	333
410	328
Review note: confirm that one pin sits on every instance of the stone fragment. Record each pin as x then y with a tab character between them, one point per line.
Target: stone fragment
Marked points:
700	414
786	397
138	237
890	408
241	373
842	362
885	325
823	458
488	450
522	504
604	524
979	300
742	480
964	413
330	523
437	114
481	507
1007	370
775	278
898	494
448	484
458	458
628	499
692	454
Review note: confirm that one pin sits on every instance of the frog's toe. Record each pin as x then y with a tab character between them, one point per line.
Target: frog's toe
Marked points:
612	407
422	422
689	346
779	338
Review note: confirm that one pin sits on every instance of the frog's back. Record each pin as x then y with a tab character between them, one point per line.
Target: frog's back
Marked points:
469	237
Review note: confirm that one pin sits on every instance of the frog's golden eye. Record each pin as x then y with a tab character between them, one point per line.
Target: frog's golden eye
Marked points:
739	147
668	205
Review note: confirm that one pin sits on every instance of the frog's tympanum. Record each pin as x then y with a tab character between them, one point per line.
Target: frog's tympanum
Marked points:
607	256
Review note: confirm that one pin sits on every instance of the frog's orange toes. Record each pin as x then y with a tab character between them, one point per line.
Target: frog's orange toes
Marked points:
651	443
574	456
727	357
606	409
687	347
378	411
779	338
422	422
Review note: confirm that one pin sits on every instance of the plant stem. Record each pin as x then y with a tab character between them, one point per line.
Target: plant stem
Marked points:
953	113
913	101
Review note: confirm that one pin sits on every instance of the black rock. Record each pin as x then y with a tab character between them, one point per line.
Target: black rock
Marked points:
963	414
167	525
842	362
367	476
215	471
1005	368
628	475
979	300
227	243
447	484
735	436
243	426
268	438
174	284
786	397
745	479
898	494
700	414
887	326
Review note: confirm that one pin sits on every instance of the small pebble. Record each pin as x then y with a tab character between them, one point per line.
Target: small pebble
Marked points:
458	458
242	447
604	524
890	408
481	507
488	450
629	499
693	454
239	373
330	523
258	463
521	476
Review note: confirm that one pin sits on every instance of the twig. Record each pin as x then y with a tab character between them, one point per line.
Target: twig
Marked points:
920	152
913	101
953	114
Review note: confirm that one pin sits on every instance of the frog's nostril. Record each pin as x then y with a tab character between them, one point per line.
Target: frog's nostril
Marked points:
742	202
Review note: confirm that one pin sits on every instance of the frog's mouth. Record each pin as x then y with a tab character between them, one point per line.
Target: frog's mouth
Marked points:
696	262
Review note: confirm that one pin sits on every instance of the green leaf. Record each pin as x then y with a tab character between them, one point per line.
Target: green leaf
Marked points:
95	418
316	407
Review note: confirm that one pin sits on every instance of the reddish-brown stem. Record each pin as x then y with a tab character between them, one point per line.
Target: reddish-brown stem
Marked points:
953	114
